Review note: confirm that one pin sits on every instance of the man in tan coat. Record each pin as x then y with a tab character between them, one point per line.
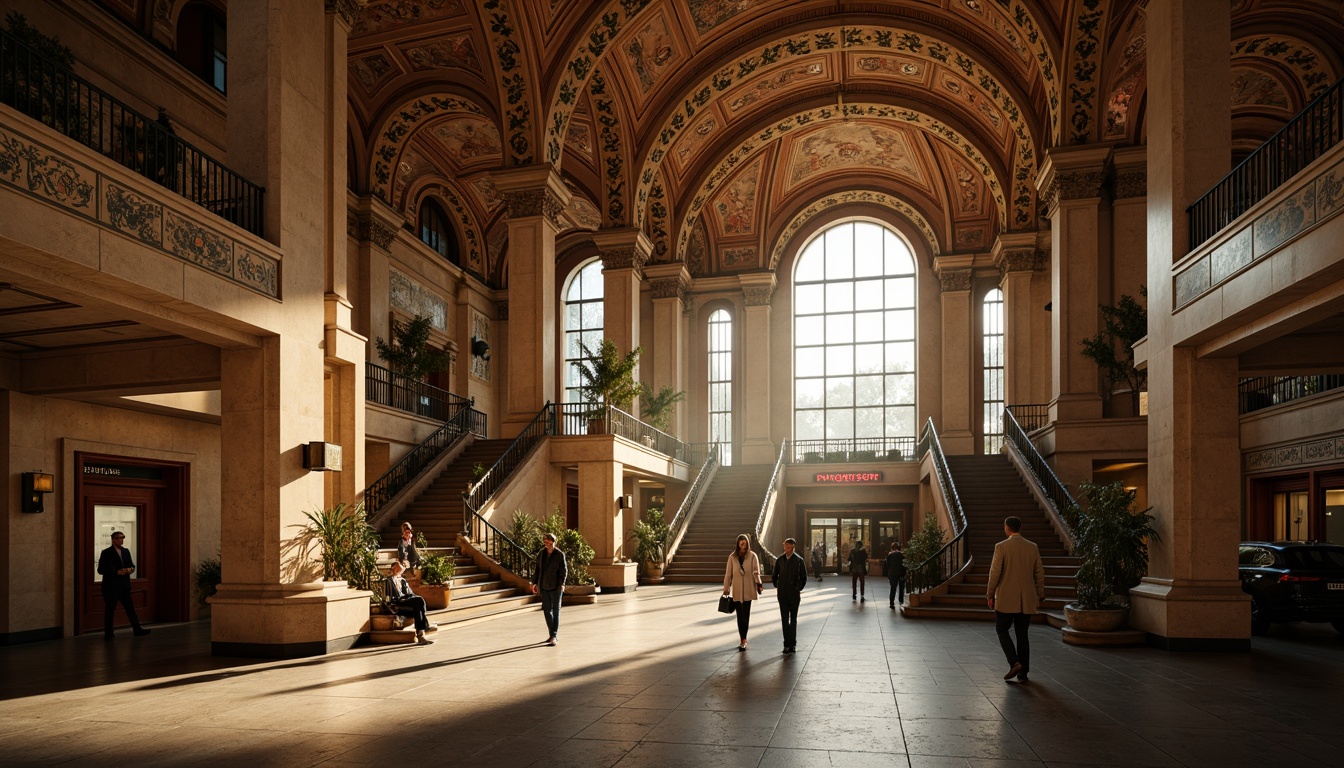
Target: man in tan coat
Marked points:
1016	587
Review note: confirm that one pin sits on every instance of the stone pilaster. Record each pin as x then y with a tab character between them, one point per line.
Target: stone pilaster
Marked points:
535	197
602	523
1025	285
758	288
1073	186
669	282
1129	221
1192	597
624	254
958	361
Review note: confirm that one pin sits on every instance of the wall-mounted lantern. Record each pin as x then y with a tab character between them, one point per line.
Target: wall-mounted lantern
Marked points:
322	457
480	348
34	486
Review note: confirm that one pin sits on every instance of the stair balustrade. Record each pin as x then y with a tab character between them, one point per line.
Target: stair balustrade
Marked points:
767	510
1065	507
689	505
467	421
954	555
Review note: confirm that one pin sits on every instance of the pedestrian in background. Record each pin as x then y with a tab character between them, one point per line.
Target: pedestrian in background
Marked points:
742	582
895	569
858	571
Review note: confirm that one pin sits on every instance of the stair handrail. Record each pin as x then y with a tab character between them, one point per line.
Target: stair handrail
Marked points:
467	421
1065	506
948	561
768	507
676	530
488	539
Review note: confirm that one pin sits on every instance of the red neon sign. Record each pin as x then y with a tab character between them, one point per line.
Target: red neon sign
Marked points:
844	478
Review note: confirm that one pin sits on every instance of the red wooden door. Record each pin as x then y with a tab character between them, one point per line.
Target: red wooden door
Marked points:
134	512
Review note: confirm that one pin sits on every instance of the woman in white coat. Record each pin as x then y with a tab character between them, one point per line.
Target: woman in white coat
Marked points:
742	582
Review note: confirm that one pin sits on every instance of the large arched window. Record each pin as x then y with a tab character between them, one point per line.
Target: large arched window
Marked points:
435	231
991	332
721	383
854	340
583	322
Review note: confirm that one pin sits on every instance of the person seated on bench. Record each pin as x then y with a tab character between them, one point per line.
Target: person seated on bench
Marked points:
405	602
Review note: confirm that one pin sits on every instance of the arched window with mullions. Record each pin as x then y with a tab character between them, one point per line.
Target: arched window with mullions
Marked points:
583	322
721	383
991	334
435	231
854	342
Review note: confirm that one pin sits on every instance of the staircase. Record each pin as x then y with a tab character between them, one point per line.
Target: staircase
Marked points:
990	490
730	506
437	513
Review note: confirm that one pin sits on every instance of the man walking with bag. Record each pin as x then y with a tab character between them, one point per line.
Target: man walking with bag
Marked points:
789	578
1016	588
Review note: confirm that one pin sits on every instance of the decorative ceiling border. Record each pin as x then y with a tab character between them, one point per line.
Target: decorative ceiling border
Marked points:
854	39
398	130
1311	69
513	83
822	115
1084	76
818	207
610	151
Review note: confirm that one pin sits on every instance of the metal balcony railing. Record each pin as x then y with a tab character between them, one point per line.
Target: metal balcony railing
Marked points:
853	449
598	419
394	390
1266	391
1306	137
467	421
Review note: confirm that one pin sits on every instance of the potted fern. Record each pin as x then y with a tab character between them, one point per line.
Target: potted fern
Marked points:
580	588
606	378
1111	540
651	544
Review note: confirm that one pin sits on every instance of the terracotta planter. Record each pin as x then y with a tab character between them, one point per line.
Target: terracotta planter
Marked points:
436	595
653	573
1105	620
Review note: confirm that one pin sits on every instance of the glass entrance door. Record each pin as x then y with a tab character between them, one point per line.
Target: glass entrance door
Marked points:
852	531
823	541
1291	518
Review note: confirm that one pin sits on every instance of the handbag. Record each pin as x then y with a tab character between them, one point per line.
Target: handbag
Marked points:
725	604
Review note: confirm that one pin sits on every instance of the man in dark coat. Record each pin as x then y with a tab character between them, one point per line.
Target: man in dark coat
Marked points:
116	566
789	578
549	582
407	603
895	570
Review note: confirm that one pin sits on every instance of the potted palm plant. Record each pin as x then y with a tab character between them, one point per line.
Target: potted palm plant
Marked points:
348	544
436	574
606	378
1111	541
651	544
657	406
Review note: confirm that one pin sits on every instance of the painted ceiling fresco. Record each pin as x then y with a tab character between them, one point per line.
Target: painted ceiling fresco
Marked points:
716	125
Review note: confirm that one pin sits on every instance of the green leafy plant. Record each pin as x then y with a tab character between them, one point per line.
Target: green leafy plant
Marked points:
410	354
651	537
922	546
525	531
477	470
349	545
45	93
209	574
657	407
606	377
1112	349
436	569
578	555
1111	539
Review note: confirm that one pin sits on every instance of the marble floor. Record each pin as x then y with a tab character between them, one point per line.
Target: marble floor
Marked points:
654	679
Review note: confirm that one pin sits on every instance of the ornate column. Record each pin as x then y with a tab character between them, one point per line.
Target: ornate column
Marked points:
1026	323
954	428
624	254
535	197
1072	184
272	602
758	289
1192	597
668	356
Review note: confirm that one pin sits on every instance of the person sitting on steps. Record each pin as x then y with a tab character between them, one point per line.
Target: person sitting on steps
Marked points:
407	603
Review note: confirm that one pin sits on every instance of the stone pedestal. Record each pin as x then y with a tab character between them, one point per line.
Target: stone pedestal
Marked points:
286	620
615	577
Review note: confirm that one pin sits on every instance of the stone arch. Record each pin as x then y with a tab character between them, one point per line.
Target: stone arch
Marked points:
826	203
397	129
611	153
1084	51
442	191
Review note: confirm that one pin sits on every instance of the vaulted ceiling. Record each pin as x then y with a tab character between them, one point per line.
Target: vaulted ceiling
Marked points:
720	127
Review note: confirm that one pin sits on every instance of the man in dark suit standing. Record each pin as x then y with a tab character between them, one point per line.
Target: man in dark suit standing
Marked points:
549	581
789	579
895	570
116	566
1016	588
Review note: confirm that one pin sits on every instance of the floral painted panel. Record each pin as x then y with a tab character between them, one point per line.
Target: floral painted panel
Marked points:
694	139
709	14
1192	282
1285	221
1330	192
467	140
650	52
480	329
1254	88
382	15
11	158
260	272
1231	256
852	144
59	180
762	87
739	258
134	214
414	299
372	71
736	207
198	245
452	52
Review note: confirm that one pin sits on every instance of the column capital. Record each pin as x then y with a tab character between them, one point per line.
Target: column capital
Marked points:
1018	252
502	310
1131	172
954	280
536	190
758	288
1073	173
669	281
623	248
372	221
347	11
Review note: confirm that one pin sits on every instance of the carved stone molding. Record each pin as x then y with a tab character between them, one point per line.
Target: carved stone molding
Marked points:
348	10
954	280
502	310
1020	260
624	257
367	229
757	295
1074	185
1131	184
669	288
535	202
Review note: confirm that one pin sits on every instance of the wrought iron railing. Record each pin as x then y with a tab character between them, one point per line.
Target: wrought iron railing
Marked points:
50	93
590	419
691	503
1317	128
1066	508
1266	391
946	562
1030	417
394	390
497	546
542	424
853	449
767	507
467	421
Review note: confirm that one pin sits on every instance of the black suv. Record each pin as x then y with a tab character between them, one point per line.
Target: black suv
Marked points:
1292	581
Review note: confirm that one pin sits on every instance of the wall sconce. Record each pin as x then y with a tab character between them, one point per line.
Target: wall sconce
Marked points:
480	348
625	502
322	457
34	485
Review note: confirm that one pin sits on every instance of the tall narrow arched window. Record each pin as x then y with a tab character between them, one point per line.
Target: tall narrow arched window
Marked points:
721	383
991	331
203	43
854	343
583	322
435	231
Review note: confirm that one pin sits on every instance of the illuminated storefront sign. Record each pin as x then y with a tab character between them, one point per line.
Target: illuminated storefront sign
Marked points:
845	478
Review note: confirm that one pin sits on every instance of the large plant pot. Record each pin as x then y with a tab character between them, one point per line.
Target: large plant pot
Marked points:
597	426
653	573
436	595
579	594
1105	620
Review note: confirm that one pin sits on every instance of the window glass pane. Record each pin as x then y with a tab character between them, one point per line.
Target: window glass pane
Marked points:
898	257
839	392
900	388
840	252
809	299
900	357
868	327
839	360
868	390
868	422
808	393
868	295
808	425
839	297
900	292
812	264
810	330
810	360
839	329
901	420
868	358
867	249
839	424
591	313
900	324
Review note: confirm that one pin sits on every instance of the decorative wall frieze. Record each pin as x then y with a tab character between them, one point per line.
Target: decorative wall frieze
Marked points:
368	229
950	280
1074	185
1305	454
348	10
669	288
757	295
1020	260
1131	183
409	296
535	202
502	310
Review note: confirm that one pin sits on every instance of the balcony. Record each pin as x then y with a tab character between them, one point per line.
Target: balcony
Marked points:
1268	391
384	387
